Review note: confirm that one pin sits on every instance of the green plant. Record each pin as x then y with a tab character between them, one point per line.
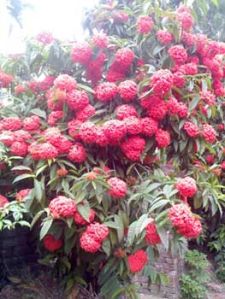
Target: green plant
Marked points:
192	282
12	215
217	246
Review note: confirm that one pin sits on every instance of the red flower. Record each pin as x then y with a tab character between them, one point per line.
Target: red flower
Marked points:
178	54
100	40
22	135
81	53
106	92
43	151
62	206
178	79
78	219
162	138
127	90
87	132
19	89
5	79
74	126
124	58
114	130
98	231
191	129
114	75
208	97
101	138
151	235
125	111
77	100
164	37
11	123
3	201
185	19
137	261
7	138
185	223
157	109
189	69
133	125
77	153
86	113
19	148
31	123
133	147
117	188
208	133
65	82
61	143
51	243
149	126
45	38
186	187
54	117
161	81
144	24
89	244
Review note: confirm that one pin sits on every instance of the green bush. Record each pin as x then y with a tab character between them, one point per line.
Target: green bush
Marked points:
192	283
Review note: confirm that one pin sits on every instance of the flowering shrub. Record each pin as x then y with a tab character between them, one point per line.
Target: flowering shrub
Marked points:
106	141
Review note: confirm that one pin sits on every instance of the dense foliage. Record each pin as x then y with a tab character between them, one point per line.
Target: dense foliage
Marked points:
115	144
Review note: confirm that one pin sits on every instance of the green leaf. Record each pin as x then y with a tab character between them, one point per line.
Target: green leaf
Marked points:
38	190
86	88
21	167
23	177
106	247
39	112
194	103
84	210
46	224
36	217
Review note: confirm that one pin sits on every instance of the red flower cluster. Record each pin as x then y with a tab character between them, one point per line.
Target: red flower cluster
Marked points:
184	222
133	147
186	187
51	243
137	261
91	240
62	206
164	37
117	188
3	201
151	235
178	54
144	24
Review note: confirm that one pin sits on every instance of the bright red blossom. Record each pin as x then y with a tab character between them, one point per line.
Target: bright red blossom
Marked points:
77	153
161	81
133	147
81	53
178	54
151	236
137	261
186	187
62	206
162	138
127	90
125	111
144	24
51	243
191	129
164	37
19	148
117	188
65	82
105	92
208	133
3	201
43	151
